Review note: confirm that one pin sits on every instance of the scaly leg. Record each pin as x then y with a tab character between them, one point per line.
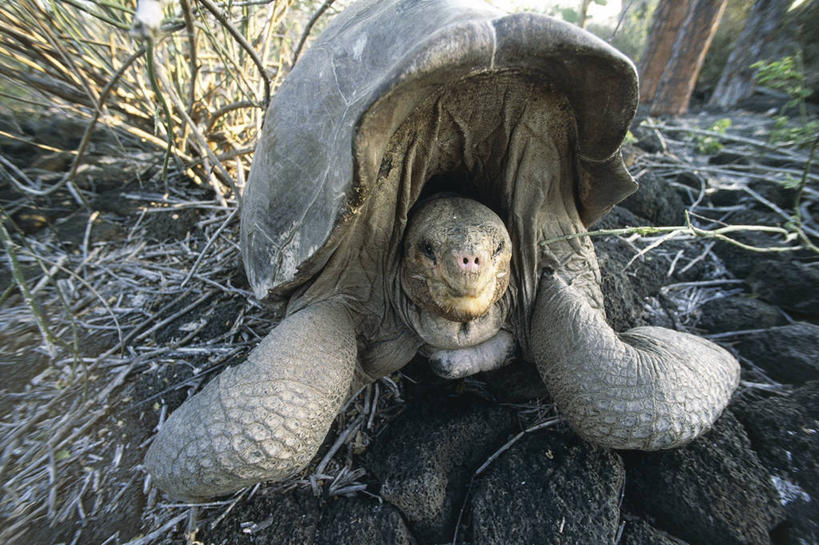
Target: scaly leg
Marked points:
649	388
265	418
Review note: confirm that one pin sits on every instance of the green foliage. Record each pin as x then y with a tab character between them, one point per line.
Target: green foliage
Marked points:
569	15
62	454
784	75
711	144
790	182
787	75
786	131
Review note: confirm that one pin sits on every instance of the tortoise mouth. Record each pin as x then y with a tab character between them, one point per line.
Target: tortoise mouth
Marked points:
464	286
463	307
460	303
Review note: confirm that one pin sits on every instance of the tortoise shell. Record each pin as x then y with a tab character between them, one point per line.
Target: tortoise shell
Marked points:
327	132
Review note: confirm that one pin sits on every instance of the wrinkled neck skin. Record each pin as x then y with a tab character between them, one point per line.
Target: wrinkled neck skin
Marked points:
439	333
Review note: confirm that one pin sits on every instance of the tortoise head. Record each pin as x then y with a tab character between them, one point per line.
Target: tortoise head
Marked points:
456	258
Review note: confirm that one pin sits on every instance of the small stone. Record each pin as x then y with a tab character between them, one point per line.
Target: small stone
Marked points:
692	180
58	161
776	192
648	139
738	312
726	197
728	158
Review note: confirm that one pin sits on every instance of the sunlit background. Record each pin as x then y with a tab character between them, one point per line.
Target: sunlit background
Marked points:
599	12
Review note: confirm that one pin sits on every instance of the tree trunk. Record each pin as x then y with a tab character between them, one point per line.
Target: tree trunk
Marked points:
679	39
584	10
737	79
668	18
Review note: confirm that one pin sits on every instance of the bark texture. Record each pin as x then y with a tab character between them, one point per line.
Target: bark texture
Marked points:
668	85
668	19
737	79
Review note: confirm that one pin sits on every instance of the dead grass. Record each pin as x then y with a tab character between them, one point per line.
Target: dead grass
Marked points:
97	317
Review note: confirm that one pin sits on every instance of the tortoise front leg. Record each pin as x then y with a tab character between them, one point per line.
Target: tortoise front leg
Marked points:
649	388
265	418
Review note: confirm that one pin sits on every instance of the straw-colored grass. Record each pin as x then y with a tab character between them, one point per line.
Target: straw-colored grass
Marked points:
80	324
195	89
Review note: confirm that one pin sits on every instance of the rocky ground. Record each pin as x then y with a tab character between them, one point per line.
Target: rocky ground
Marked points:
144	292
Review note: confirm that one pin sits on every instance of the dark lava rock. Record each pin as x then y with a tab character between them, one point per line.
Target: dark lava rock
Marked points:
359	521
742	262
549	488
789	284
425	458
775	192
692	180
784	431
619	217
57	161
625	285
115	203
656	263
787	354
31	219
639	532
726	197
648	139
287	519
171	225
738	312
100	174
693	262
726	157
657	201
764	100
518	382
622	304
714	490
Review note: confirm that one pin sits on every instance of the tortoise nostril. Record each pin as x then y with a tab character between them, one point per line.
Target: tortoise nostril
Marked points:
468	262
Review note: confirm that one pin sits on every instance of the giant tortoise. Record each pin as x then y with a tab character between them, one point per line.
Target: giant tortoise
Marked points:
419	185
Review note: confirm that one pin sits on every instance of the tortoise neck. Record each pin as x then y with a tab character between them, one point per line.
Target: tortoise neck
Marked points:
440	333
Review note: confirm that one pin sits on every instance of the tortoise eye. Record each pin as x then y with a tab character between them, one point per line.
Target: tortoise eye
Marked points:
428	250
500	247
